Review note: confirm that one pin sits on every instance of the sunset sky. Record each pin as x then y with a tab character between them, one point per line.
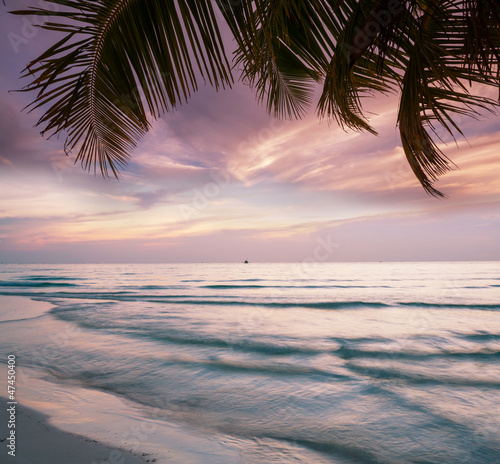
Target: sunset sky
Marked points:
221	181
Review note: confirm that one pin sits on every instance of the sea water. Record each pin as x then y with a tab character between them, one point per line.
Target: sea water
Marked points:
298	362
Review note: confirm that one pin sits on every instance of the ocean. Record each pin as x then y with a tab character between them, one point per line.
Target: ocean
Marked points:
280	363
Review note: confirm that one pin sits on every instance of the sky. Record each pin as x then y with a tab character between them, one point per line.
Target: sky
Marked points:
219	180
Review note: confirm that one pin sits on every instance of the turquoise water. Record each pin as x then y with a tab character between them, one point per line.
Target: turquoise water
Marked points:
337	362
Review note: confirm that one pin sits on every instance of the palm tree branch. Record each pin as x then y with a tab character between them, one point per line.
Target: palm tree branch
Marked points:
433	90
116	56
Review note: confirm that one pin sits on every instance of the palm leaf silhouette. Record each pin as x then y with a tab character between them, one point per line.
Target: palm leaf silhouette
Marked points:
123	63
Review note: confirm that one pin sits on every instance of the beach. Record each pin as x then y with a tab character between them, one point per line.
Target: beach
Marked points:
69	425
38	442
65	423
248	364
33	438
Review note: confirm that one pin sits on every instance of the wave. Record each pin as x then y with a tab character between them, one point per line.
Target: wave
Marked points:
180	337
346	351
222	286
157	287
49	278
418	304
217	300
37	284
332	448
298	287
3	321
249	368
354	353
481	337
237	280
420	379
213	300
184	338
308	305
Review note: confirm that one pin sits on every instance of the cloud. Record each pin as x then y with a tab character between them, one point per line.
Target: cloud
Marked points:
221	180
443	234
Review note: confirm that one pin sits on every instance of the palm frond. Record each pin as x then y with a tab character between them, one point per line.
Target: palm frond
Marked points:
281	49
124	60
115	55
433	89
423	49
281	80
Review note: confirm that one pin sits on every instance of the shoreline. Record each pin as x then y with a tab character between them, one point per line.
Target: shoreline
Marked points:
56	420
38	441
99	425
